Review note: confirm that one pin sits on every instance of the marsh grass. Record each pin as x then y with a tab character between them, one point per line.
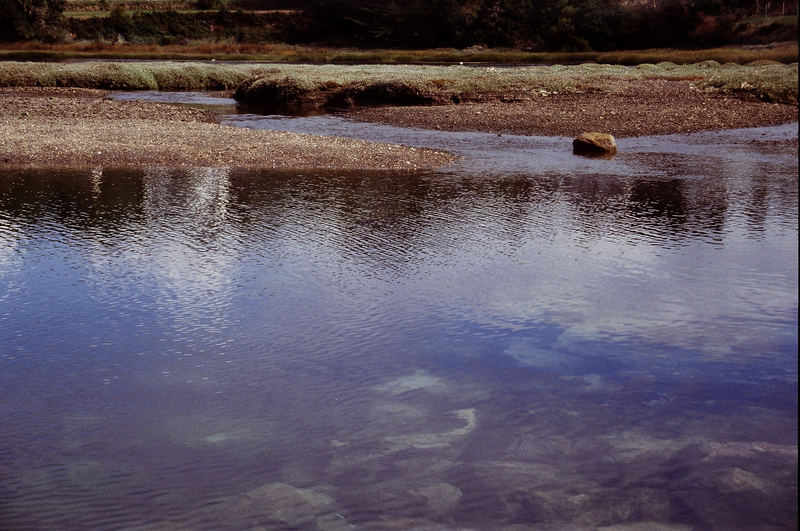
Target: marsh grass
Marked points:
284	53
768	81
789	20
765	81
126	76
106	13
785	53
96	5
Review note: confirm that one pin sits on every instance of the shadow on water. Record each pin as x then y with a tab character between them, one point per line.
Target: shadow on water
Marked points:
609	344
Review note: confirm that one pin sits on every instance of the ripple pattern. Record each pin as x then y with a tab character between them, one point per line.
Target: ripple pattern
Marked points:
524	338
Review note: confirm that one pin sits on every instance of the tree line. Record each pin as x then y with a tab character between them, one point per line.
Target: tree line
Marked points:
537	25
567	25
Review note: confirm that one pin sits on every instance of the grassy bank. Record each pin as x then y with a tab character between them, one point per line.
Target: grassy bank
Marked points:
336	85
426	84
282	53
104	14
127	76
97	5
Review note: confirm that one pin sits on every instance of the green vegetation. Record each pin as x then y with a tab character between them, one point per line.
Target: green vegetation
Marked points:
129	5
539	25
170	27
786	20
741	55
280	53
762	80
579	26
106	14
31	20
125	76
772	82
323	84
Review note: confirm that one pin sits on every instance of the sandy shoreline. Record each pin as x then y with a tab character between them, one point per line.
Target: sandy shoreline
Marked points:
79	127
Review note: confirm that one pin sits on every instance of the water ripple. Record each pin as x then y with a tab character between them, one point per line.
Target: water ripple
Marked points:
436	347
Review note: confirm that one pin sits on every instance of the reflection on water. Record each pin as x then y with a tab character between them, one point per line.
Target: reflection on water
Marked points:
207	348
198	100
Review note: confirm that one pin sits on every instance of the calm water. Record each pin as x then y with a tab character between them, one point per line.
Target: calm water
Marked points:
528	338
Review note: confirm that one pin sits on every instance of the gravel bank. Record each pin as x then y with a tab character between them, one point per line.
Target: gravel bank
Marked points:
78	127
632	108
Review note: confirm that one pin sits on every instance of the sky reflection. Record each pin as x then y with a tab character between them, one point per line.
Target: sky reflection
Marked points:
457	348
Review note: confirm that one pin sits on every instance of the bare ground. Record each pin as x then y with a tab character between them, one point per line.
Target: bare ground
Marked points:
78	127
633	108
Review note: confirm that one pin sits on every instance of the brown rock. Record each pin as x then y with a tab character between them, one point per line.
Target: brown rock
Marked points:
594	144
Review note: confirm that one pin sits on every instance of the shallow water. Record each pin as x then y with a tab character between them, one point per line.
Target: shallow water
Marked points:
201	100
526	338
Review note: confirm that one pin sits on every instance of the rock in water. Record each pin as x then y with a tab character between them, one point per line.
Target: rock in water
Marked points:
594	144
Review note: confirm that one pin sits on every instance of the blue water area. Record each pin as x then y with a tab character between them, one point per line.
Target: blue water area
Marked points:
527	338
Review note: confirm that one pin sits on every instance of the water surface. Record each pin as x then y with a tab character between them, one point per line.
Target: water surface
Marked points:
528	338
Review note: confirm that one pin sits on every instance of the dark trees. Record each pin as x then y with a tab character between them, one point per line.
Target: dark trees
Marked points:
570	25
30	19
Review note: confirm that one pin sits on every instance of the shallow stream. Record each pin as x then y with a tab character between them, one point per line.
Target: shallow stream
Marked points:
526	339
